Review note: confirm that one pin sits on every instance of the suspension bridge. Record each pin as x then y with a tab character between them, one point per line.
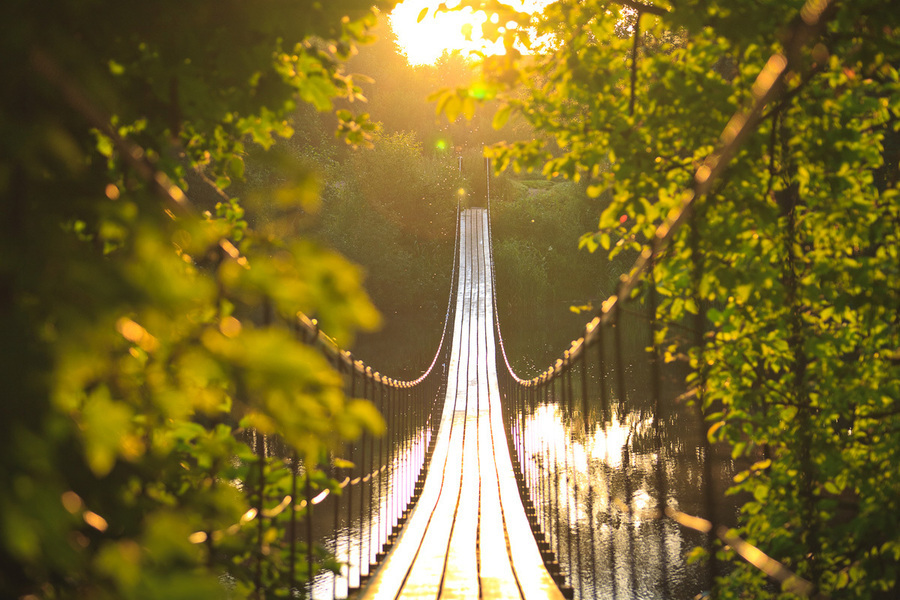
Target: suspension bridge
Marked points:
590	480
571	484
488	486
468	536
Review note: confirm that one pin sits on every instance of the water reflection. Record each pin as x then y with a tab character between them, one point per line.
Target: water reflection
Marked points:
600	464
351	525
601	497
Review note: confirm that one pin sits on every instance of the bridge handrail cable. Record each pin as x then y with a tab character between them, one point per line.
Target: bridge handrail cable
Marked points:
310	331
768	87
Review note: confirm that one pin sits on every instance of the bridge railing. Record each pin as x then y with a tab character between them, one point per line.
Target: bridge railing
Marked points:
319	530
591	436
595	440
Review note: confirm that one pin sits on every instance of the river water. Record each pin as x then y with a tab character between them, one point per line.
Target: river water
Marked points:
616	460
613	459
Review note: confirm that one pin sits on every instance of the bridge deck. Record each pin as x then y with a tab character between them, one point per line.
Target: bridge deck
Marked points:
468	536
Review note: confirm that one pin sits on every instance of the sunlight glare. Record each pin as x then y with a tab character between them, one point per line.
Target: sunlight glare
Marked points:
424	42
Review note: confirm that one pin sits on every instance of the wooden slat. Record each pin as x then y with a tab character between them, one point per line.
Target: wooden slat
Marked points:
427	570
388	580
468	536
532	576
497	577
461	573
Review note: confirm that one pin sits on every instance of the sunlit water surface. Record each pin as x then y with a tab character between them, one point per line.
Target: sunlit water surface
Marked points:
613	541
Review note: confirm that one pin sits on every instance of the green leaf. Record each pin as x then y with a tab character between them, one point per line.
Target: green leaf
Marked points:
604	241
235	168
501	116
106	430
340	463
761	492
713	433
104	145
452	107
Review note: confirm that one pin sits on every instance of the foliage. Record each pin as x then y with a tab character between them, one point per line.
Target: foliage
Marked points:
397	98
535	230
393	210
389	208
140	336
791	259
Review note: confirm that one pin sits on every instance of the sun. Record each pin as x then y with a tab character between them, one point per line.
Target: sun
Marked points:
424	41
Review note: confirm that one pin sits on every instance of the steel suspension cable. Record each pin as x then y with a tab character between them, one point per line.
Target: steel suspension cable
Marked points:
769	85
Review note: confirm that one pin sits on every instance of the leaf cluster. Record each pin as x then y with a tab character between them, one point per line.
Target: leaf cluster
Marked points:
142	333
788	269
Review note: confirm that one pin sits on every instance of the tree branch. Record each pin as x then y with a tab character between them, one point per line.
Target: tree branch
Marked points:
643	8
634	57
135	156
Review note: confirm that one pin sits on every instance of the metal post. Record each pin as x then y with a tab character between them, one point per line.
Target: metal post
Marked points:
601	362
661	488
574	559
260	450
365	473
353	454
309	532
488	175
292	527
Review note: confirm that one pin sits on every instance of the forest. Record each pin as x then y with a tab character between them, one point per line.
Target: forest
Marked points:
180	180
391	207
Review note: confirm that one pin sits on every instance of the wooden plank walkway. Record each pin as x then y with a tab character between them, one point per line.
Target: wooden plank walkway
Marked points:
468	536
